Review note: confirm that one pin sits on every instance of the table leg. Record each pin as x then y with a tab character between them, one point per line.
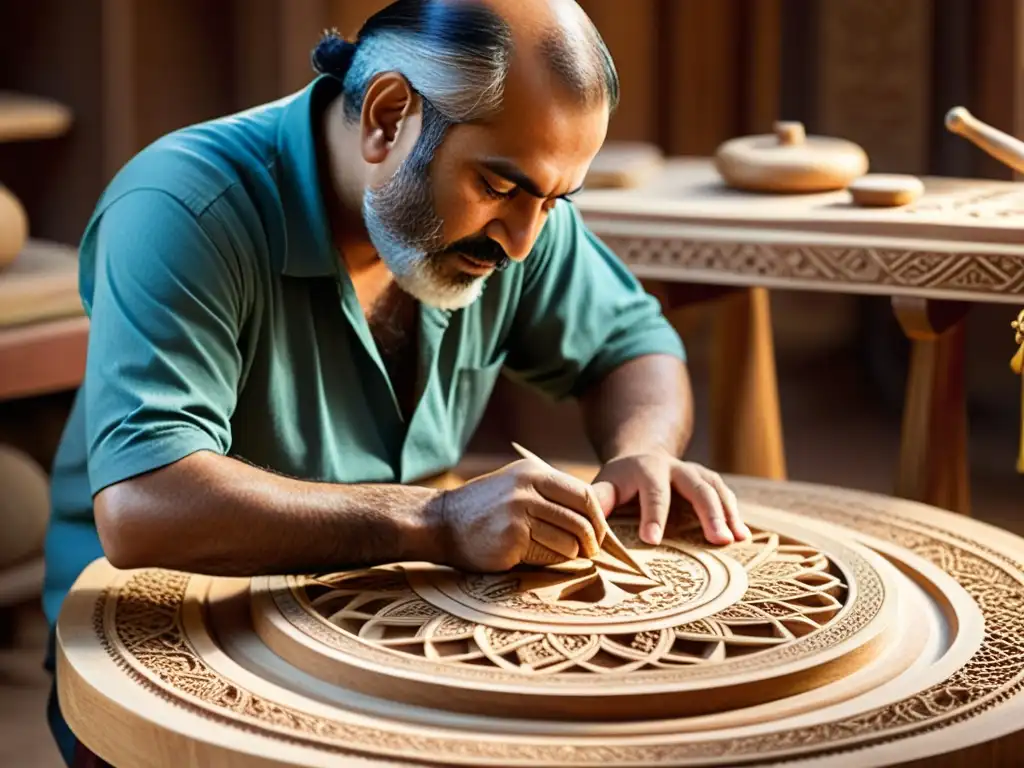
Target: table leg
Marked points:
746	422
933	453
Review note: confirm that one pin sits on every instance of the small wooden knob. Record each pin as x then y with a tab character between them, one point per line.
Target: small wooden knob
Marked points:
790	132
885	190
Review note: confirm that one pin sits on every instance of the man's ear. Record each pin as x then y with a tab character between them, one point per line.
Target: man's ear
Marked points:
388	104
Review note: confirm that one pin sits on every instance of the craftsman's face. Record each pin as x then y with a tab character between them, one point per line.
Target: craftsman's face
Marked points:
466	199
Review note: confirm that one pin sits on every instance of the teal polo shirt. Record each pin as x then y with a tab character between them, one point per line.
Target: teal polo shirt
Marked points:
223	320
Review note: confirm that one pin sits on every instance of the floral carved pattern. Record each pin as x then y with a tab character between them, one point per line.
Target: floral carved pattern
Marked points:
145	635
962	272
792	591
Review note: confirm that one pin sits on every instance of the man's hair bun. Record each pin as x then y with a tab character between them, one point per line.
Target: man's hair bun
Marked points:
333	54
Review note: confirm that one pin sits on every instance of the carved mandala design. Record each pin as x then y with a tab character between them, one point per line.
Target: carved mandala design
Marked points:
791	591
598	589
140	625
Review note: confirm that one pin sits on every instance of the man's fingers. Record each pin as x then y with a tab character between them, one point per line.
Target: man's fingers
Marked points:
572	523
567	491
706	502
730	504
538	554
555	539
606	496
655	495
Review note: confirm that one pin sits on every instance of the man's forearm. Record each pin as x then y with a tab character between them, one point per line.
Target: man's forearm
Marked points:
642	406
213	514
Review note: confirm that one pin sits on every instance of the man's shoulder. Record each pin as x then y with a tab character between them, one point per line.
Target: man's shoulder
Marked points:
198	164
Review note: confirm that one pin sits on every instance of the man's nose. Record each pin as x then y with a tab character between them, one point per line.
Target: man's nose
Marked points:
518	230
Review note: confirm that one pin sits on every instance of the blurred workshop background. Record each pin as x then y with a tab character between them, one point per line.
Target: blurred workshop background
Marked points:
84	84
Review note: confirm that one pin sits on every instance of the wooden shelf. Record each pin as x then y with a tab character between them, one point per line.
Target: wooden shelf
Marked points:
40	284
43	328
41	358
24	118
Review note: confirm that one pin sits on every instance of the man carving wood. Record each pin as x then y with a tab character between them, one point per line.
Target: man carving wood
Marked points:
299	311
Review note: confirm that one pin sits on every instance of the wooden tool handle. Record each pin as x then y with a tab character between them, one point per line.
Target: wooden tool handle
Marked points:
1003	147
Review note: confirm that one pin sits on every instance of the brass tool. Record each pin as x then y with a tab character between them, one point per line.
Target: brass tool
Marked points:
611	543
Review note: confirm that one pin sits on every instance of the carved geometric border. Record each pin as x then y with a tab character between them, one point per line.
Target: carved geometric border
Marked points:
994	674
957	272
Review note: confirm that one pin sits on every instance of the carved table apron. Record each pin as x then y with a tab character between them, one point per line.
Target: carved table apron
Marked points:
961	242
852	630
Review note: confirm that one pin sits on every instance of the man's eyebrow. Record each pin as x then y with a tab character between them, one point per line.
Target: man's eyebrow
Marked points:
511	172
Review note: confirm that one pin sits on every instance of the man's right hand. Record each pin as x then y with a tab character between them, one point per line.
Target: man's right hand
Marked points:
525	512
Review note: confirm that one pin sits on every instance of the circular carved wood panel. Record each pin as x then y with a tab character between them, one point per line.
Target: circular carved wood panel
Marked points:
703	629
853	630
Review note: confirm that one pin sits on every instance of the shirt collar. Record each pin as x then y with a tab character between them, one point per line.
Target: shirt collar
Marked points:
309	251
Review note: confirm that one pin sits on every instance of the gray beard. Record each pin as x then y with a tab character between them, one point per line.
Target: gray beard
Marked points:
406	231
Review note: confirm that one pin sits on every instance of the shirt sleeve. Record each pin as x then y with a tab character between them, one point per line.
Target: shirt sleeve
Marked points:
163	365
581	312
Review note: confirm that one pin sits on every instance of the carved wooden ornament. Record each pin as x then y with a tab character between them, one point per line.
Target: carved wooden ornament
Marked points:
853	630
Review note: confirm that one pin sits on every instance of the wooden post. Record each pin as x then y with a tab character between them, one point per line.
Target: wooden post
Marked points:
933	452
746	421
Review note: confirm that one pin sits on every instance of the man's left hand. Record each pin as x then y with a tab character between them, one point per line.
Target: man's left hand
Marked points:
654	477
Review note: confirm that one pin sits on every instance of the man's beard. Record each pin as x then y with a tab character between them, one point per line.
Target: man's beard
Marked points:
404	227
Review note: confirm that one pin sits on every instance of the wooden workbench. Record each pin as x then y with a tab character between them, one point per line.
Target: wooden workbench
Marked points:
960	243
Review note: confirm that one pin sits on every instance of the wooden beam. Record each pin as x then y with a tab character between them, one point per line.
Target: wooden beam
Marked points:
798	90
877	95
348	15
700	74
632	39
302	22
120	106
999	67
761	82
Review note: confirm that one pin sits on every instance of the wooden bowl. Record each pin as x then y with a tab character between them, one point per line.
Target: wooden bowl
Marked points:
790	161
